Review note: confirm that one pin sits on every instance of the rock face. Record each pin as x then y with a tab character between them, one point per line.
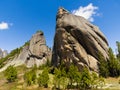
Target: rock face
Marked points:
78	41
3	53
35	52
38	51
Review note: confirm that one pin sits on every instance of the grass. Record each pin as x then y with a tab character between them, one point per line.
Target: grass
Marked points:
19	84
113	83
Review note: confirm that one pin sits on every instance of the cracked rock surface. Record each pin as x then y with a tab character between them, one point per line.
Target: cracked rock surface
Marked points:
78	41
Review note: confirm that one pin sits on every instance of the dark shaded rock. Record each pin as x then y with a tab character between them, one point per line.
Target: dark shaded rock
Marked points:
78	41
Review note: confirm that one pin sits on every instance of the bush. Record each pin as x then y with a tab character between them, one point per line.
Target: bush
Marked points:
43	78
74	75
46	65
11	74
60	79
85	79
26	43
39	31
30	76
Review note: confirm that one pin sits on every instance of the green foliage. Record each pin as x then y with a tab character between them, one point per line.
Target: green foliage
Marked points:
73	75
85	79
114	64
101	82
46	65
103	66
39	31
43	78
60	78
94	80
73	79
11	55
26	43
11	74
30	76
41	67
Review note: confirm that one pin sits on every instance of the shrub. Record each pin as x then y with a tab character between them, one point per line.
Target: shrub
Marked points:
43	78
39	31
30	76
85	79
60	79
73	74
11	74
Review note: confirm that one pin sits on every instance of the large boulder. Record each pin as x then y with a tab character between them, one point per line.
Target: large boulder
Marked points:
78	41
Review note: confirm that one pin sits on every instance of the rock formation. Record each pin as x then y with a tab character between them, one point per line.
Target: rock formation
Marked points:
34	52
78	41
3	53
37	52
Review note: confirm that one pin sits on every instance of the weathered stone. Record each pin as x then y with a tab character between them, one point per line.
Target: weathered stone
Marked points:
78	41
36	52
3	53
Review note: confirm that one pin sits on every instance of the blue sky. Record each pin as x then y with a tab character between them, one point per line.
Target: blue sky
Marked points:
20	19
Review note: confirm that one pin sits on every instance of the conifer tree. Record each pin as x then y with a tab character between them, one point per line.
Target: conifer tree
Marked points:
114	64
11	74
85	79
103	66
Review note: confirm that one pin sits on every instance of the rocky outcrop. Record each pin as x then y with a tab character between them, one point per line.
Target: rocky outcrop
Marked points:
33	52
78	41
3	53
36	52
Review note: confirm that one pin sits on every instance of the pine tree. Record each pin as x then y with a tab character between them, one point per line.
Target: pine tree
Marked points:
114	65
60	78
103	66
85	79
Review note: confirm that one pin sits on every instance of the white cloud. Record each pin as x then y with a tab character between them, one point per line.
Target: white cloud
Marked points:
4	26
86	12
